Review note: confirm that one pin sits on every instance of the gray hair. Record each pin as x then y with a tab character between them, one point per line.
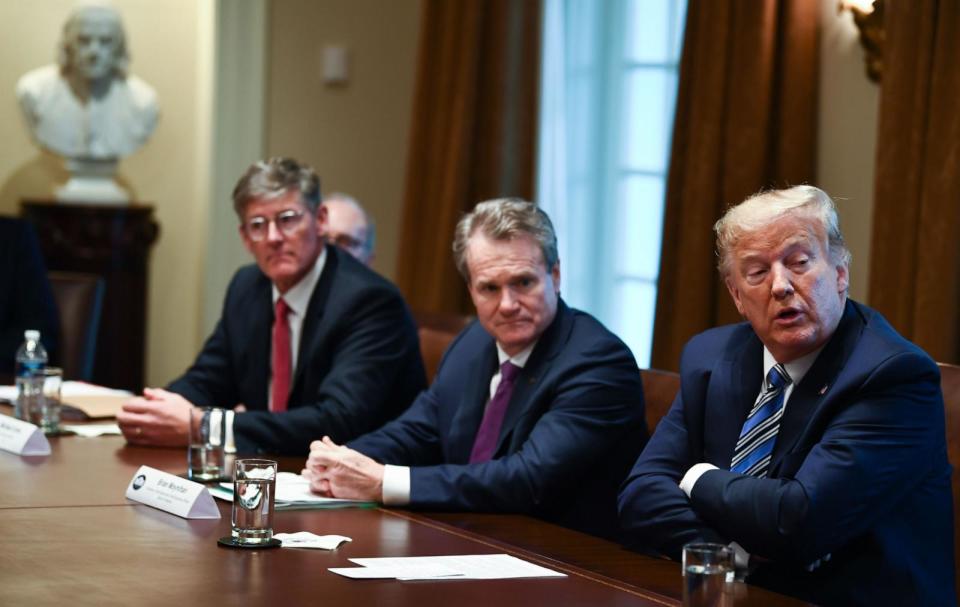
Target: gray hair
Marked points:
371	240
764	208
121	60
505	219
275	177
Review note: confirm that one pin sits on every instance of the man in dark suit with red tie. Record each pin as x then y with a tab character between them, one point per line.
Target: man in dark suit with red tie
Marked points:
310	343
536	407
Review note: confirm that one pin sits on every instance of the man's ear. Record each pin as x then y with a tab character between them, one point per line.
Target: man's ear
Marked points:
734	293
843	278
247	243
323	224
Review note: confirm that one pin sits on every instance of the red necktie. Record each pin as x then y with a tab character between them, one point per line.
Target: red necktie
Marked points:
486	442
280	357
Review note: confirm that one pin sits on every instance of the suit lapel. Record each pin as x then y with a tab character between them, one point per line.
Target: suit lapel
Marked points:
735	383
312	320
258	346
814	389
549	346
473	401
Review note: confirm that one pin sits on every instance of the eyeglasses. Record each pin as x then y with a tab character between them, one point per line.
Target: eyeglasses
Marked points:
346	241
287	223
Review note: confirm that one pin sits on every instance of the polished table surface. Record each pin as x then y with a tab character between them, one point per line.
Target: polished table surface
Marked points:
70	536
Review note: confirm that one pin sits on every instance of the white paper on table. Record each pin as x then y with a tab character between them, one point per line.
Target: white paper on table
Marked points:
171	494
92	430
22	438
68	389
305	539
470	566
399	572
295	489
292	492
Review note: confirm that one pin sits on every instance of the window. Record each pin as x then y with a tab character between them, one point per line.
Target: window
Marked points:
607	102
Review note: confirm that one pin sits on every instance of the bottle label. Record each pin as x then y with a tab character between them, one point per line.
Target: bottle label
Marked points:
29	368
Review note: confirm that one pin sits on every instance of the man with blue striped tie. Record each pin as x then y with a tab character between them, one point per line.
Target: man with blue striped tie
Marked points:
810	437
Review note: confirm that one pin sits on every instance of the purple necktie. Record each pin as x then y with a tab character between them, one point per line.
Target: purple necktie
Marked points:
486	442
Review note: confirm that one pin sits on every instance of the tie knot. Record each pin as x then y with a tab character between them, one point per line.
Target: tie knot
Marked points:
509	371
281	308
777	377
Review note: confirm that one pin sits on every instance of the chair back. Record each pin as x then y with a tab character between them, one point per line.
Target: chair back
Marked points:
950	384
659	390
79	300
436	331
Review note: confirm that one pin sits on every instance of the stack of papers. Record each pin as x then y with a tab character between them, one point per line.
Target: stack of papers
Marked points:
293	493
81	401
462	567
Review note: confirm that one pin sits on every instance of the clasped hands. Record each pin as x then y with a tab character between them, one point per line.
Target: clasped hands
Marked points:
337	471
159	418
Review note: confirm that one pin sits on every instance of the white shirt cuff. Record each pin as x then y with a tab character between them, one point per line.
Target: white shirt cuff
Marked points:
228	445
741	558
693	475
396	485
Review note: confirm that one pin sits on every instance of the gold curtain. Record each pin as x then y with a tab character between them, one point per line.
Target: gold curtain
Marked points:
915	259
473	133
746	120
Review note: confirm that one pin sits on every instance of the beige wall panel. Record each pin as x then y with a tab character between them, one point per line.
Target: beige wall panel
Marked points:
168	50
355	134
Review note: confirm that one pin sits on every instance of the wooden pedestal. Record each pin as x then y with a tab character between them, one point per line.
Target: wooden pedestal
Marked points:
112	241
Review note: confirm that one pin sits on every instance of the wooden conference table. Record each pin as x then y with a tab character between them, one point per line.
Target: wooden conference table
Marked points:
69	536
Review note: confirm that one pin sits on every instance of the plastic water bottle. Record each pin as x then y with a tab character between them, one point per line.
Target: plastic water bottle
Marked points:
31	362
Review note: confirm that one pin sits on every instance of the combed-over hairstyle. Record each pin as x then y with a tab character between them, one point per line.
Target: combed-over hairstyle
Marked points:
275	177
764	208
505	219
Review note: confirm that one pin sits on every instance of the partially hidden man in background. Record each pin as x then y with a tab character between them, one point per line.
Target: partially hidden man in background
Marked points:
536	407
812	435
350	226
310	342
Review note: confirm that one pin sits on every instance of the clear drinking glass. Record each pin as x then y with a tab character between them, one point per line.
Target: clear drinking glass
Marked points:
708	571
45	410
205	455
254	487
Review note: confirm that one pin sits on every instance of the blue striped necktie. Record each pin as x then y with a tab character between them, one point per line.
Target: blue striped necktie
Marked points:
759	434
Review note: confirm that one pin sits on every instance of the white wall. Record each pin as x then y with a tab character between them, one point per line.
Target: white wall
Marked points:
847	137
356	134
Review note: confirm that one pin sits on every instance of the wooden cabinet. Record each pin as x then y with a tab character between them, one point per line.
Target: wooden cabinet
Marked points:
112	241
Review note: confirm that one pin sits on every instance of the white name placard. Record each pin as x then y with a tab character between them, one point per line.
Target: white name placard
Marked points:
22	438
172	494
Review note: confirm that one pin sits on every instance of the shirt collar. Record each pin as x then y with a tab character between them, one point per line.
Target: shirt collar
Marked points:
519	359
298	296
795	369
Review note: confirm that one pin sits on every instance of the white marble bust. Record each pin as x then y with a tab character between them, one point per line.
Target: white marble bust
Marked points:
88	107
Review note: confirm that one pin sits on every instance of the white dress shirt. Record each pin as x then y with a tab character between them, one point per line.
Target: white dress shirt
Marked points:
297	298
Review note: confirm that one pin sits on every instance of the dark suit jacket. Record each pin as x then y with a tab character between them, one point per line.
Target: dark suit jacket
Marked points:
574	423
859	470
358	364
26	301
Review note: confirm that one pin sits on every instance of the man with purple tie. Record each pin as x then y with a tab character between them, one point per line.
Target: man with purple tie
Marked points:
536	408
